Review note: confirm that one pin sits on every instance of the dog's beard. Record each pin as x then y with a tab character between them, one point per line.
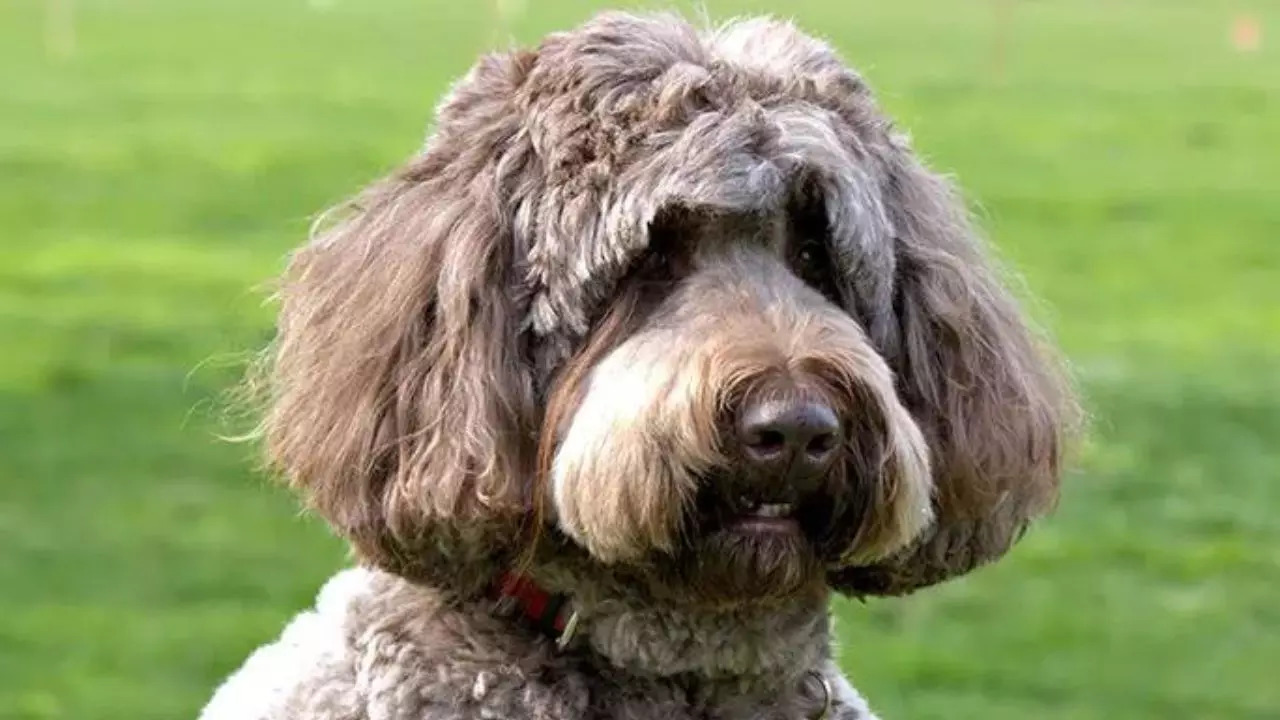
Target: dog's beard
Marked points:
735	566
741	546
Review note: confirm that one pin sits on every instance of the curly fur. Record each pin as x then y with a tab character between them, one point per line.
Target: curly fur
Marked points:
378	647
519	350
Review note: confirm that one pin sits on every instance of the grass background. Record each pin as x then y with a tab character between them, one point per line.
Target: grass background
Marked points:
156	169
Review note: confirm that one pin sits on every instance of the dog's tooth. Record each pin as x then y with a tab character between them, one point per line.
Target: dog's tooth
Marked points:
774	510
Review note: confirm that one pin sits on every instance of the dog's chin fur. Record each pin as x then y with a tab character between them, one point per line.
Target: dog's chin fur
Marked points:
523	349
730	568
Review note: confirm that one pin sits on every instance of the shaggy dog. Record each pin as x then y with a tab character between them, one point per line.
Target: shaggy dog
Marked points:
663	338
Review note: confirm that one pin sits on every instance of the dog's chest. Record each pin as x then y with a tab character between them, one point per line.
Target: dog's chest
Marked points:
406	690
411	659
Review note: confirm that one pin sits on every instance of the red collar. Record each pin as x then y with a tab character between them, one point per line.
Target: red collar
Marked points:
548	612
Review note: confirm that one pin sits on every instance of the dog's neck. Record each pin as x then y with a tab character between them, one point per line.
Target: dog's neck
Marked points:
747	648
732	664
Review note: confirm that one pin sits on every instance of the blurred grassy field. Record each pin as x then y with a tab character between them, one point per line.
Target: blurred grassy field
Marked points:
1125	157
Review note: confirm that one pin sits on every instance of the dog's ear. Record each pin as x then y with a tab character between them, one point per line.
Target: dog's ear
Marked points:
399	399
986	390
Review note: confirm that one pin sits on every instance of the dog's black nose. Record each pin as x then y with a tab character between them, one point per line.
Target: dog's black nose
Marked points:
798	439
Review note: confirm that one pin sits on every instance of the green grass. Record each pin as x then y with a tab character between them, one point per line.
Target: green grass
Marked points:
1125	158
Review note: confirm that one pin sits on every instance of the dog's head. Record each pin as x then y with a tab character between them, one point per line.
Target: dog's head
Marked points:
675	300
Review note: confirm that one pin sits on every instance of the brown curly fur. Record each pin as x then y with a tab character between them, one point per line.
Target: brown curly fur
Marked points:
520	350
420	335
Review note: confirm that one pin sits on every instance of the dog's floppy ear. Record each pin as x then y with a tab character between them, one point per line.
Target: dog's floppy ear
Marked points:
988	393
399	401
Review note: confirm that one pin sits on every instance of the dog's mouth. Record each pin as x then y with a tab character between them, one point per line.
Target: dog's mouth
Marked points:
764	514
765	518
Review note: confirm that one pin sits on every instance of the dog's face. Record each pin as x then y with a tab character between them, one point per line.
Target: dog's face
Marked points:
729	423
681	303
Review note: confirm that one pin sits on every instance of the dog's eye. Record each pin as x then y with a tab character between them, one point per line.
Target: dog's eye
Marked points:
807	258
812	263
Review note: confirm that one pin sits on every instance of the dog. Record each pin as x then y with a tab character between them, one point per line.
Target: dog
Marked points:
663	338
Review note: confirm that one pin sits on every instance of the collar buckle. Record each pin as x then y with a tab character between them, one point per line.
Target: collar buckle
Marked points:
570	629
551	614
